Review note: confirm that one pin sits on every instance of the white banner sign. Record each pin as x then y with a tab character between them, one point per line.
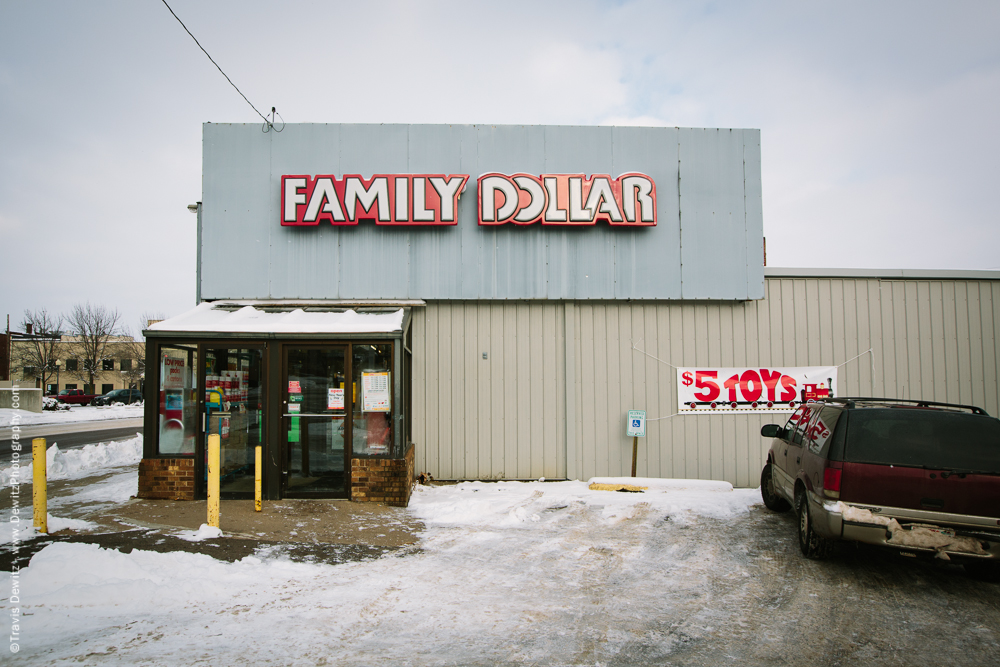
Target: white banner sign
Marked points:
704	390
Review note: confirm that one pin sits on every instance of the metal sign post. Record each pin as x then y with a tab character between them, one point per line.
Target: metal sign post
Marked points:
635	428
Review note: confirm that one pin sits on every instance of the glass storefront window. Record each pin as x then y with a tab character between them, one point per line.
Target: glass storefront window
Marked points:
178	409
373	400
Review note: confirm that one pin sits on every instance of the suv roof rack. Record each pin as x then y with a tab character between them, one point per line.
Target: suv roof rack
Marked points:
862	401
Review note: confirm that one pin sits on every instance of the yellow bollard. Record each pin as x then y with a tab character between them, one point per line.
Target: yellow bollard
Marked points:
256	478
38	497
213	480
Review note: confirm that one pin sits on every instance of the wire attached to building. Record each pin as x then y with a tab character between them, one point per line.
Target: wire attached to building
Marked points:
267	123
870	351
649	355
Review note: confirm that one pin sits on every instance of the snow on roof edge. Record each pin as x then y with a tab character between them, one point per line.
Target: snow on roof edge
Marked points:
214	317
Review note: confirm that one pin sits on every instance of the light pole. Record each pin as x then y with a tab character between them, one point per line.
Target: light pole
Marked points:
57	375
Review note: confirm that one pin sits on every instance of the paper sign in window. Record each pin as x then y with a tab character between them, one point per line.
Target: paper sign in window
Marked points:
375	392
335	398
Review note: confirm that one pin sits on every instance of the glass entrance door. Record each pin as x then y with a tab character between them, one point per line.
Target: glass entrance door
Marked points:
234	410
315	426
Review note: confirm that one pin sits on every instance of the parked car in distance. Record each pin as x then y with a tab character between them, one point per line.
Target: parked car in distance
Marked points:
917	476
75	397
126	396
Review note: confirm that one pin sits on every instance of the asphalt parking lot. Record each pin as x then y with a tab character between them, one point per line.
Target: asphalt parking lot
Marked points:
863	606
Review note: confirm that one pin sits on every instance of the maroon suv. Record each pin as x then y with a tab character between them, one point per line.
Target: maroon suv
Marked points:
917	476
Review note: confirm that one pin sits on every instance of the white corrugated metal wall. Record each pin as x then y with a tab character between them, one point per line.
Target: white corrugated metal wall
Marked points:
511	416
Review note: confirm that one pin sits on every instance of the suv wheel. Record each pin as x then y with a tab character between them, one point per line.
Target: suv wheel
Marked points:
772	500
812	545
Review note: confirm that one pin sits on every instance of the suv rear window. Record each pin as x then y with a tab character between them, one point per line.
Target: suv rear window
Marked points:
924	438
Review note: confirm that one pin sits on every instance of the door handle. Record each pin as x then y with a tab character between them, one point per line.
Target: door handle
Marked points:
798	458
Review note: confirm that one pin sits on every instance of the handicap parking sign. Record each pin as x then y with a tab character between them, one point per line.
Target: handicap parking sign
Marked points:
636	425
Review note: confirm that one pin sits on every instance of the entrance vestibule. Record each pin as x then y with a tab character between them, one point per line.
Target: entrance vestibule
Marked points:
318	406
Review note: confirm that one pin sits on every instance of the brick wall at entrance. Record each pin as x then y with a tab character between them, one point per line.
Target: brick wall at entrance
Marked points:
167	479
388	481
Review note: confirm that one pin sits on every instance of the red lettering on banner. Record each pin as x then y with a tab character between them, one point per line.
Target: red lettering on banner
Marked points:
788	384
567	199
388	199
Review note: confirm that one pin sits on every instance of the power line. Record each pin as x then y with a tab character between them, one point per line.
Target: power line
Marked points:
216	64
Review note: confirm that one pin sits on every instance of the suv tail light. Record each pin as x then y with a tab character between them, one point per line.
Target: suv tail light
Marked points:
831	482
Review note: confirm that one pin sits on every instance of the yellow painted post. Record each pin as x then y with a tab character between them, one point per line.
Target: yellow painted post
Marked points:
213	480
38	490
256	478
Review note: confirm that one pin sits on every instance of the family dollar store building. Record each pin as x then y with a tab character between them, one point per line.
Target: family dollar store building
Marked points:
488	302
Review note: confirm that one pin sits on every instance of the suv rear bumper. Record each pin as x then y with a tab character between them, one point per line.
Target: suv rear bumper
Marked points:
828	521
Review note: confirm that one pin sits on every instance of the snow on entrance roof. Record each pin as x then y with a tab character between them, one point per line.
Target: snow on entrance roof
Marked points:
223	317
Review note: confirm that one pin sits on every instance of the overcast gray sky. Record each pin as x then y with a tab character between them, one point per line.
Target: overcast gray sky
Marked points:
879	120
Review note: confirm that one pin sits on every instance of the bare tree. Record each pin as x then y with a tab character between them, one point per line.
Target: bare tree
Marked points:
38	347
93	326
135	348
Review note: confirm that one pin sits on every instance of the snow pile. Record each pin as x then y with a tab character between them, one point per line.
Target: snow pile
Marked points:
658	484
49	403
204	532
859	515
82	462
513	503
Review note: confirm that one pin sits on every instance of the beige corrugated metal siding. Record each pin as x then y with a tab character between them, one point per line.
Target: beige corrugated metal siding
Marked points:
550	399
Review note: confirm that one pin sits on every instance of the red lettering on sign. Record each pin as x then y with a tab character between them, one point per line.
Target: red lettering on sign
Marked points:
389	199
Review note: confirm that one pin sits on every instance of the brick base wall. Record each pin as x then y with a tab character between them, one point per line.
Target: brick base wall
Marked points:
388	481
167	479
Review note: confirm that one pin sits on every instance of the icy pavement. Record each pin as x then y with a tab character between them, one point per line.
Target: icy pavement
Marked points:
512	573
507	572
76	413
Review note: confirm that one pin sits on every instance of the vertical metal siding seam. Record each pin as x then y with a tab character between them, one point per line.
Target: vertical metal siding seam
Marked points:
743	146
680	218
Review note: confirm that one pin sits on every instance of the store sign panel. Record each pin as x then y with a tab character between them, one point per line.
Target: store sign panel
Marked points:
432	199
389	199
567	199
706	390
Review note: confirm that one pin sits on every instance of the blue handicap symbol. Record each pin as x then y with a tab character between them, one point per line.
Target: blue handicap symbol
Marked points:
635	423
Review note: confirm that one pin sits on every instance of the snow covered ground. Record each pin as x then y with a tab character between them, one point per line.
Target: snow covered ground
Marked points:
77	413
506	572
